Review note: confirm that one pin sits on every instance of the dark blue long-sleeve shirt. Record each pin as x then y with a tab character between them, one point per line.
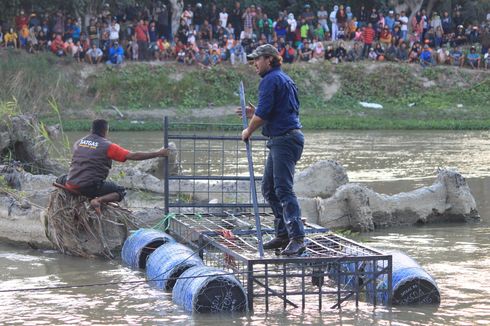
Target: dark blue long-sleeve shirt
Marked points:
278	103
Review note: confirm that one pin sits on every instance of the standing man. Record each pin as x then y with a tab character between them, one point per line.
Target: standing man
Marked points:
278	114
92	161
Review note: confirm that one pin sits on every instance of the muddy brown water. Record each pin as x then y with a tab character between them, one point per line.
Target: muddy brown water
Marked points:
457	256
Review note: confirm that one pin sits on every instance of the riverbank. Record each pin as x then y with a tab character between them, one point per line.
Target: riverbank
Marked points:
138	95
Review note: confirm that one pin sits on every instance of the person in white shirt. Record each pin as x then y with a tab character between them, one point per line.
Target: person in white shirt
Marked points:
94	54
114	31
223	18
404	25
333	20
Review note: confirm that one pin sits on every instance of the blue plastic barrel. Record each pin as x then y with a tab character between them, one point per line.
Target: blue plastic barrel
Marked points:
411	284
141	244
344	272
167	262
207	289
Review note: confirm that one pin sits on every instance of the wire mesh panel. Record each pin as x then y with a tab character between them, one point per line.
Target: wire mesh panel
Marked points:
208	205
213	168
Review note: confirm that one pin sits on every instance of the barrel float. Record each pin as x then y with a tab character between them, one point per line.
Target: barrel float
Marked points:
345	273
141	244
167	262
411	284
207	289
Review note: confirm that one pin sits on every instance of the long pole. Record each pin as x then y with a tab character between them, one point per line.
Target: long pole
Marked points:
252	175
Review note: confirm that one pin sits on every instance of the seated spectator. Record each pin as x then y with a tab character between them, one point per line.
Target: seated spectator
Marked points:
341	52
288	53
355	53
385	37
402	54
11	39
474	35
305	53
71	49
116	54
380	52
459	37
425	58
413	54
94	54
473	58
164	49
1	36
391	52
203	59
456	57
318	49
330	54
442	56
237	54
372	55
189	57
58	46
215	53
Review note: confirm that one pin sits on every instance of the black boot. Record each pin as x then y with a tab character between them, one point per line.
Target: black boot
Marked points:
277	242
295	247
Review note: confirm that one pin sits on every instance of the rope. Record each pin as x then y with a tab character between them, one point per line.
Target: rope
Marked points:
61	287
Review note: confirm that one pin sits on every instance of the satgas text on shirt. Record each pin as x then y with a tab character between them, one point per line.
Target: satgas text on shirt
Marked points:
88	144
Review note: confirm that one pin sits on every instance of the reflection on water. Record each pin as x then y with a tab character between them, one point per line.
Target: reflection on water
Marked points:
388	161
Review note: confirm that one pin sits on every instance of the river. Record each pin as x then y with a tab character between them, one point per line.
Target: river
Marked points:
457	256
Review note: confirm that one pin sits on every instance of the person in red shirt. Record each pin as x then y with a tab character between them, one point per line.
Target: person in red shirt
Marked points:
368	38
21	20
92	161
142	38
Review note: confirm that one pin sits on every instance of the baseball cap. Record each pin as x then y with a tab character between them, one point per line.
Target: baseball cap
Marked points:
265	49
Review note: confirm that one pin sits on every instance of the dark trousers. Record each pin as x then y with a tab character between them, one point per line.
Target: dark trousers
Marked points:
277	183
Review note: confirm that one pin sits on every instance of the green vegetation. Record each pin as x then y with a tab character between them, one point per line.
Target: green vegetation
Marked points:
413	98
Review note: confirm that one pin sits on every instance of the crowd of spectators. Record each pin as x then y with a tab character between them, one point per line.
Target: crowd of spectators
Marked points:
208	35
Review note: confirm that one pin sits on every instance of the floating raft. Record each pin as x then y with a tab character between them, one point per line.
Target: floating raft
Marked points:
168	262
141	244
207	289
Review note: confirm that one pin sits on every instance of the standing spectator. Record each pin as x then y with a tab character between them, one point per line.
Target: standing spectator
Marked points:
292	25
458	19
247	19
163	23
390	20
333	21
114	31
265	27
309	16
188	15
199	17
92	32
368	37
142	38
404	25
236	19
280	28
322	15
362	16
213	14
21	20
374	19
447	23
223	18
341	17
